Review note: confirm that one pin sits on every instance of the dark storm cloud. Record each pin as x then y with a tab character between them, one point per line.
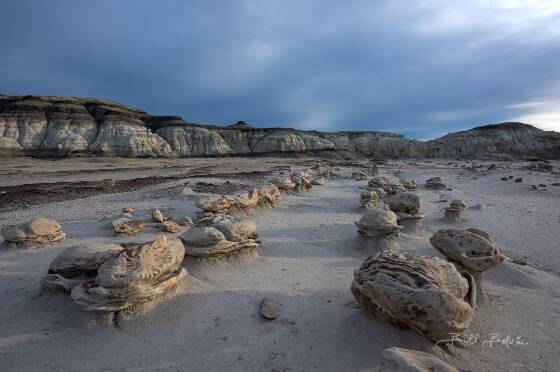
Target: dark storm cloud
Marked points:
419	68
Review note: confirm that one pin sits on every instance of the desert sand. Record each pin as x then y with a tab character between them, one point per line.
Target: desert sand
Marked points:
309	251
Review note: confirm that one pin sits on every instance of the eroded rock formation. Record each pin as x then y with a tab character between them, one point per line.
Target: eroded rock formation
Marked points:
425	294
55	126
109	277
40	232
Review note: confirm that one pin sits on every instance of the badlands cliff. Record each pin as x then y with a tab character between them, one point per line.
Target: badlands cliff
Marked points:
57	126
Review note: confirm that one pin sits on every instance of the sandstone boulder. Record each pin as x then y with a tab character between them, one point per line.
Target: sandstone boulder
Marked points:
39	232
425	294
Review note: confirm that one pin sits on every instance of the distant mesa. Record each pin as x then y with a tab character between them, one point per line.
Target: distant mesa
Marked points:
240	125
57	126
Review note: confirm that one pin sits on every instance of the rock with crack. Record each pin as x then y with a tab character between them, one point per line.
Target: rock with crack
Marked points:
454	213
471	251
222	237
381	225
109	278
426	294
435	183
395	359
39	232
127	226
369	199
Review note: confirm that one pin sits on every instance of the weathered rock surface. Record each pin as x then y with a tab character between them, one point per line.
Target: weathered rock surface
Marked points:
376	222
426	294
472	249
55	126
40	232
224	236
106	278
395	359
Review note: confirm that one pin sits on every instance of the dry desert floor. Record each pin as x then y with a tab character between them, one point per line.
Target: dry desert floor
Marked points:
309	251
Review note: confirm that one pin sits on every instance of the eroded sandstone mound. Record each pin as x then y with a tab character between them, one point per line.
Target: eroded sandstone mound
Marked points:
112	277
425	294
40	232
221	237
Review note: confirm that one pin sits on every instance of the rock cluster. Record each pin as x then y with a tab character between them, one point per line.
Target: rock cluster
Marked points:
425	294
110	277
39	232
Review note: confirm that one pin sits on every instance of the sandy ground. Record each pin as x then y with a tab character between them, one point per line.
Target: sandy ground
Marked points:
310	248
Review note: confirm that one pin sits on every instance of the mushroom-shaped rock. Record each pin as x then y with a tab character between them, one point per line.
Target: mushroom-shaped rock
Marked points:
126	226
454	213
426	294
40	232
139	273
409	185
405	202
369	199
171	227
381	192
381	225
395	359
472	251
435	183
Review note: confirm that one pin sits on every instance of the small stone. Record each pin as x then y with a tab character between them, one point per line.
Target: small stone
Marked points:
542	185
269	310
187	221
128	210
520	260
504	178
187	189
518	179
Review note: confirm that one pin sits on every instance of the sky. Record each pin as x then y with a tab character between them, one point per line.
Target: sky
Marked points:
420	68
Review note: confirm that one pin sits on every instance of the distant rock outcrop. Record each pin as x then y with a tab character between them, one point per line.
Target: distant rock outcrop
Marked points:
56	126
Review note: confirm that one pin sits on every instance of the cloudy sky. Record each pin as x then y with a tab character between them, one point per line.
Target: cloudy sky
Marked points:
421	68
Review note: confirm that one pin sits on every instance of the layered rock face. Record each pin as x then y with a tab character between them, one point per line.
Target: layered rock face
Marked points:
55	126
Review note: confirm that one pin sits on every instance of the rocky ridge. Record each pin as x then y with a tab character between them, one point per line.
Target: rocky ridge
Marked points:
58	126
